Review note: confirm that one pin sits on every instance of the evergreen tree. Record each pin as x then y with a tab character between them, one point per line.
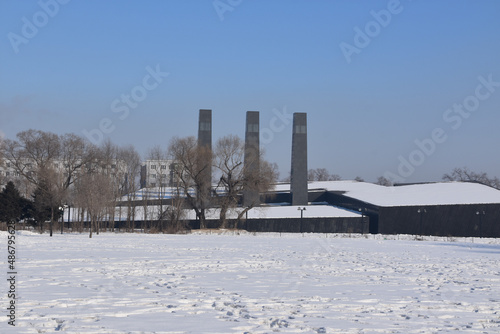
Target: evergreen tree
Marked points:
11	204
44	206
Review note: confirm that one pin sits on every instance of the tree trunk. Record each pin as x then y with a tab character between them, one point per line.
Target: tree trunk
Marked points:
91	223
203	224
222	217
51	219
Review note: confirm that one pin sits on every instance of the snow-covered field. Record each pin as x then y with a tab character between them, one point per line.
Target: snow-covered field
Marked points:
236	282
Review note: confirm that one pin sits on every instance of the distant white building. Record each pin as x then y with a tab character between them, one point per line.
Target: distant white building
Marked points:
157	173
8	171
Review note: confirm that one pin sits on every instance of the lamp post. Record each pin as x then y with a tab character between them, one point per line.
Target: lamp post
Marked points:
480	213
69	208
421	212
301	216
61	212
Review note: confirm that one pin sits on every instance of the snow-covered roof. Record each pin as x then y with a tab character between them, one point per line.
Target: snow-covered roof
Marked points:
312	211
440	193
153	193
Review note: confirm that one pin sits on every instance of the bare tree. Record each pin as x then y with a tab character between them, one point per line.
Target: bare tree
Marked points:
175	213
466	175
192	163
48	162
229	154
359	179
159	157
112	167
96	197
145	206
381	180
33	157
52	192
76	155
132	167
2	148
322	174
33	151
234	177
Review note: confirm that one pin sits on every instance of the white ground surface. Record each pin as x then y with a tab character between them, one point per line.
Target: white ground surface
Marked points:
263	283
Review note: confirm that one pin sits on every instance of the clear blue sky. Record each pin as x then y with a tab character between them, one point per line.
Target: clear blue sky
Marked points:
364	114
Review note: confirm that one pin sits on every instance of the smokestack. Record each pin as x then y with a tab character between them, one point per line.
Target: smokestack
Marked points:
205	128
205	140
252	157
298	186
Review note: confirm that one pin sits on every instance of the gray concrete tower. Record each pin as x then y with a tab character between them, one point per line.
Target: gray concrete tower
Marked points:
205	128
205	140
252	158
298	186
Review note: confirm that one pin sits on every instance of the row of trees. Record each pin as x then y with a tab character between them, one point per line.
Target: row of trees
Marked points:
14	207
53	170
206	178
466	175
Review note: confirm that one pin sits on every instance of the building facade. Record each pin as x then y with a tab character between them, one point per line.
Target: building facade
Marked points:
157	173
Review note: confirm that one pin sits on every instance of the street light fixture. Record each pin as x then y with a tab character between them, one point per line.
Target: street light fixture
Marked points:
69	216
61	210
301	211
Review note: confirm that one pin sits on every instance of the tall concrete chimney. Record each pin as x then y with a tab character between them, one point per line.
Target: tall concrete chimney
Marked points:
205	128
252	157
205	140
298	186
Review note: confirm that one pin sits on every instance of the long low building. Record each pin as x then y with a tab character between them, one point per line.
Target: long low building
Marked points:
442	208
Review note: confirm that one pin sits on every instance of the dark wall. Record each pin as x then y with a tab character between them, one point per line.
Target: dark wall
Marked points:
442	220
306	225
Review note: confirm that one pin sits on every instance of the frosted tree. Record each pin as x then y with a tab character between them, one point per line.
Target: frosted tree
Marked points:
234	177
192	163
466	175
322	174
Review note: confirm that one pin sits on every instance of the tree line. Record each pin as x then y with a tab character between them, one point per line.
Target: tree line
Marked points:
51	171
101	183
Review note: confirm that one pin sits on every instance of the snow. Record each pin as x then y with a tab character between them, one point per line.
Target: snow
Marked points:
236	282
312	211
154	193
293	212
289	211
441	193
